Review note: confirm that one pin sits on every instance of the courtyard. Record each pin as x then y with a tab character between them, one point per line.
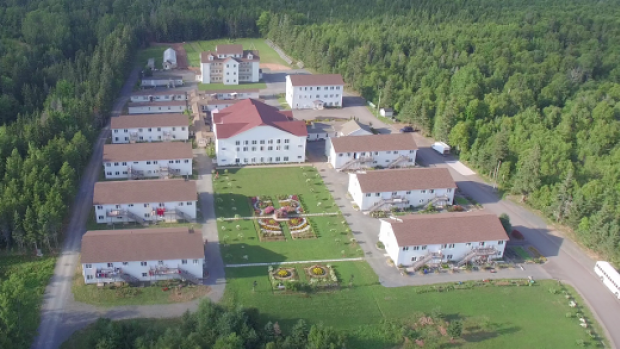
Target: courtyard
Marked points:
252	227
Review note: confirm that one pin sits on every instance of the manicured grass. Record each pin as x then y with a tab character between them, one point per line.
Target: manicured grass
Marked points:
494	316
333	236
23	305
81	338
156	52
267	54
461	200
241	86
522	253
110	296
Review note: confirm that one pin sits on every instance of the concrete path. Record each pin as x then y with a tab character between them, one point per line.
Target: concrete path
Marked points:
294	262
61	315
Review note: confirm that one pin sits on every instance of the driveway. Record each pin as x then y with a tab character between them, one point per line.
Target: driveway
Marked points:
60	314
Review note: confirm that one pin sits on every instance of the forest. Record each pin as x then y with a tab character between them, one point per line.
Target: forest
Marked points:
527	94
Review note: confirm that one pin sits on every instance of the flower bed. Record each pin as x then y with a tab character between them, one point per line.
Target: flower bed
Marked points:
321	276
282	279
269	229
262	206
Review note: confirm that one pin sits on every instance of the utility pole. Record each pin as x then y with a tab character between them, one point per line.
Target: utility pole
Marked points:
379	103
495	174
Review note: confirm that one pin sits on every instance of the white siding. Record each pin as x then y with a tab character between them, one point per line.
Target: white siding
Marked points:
381	158
303	97
146	211
415	197
150	168
147	109
403	255
150	134
159	97
228	150
137	270
159	82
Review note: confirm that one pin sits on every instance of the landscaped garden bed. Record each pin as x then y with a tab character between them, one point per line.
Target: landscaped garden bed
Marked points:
283	279
321	276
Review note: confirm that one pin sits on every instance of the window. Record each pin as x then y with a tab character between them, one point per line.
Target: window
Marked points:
444	246
100	207
100	217
147	215
253	142
253	148
183	261
286	147
159	129
89	277
245	160
130	205
110	265
270	147
450	245
368	195
408	192
449	257
148	162
432	191
245	142
115	131
424	247
287	141
423	191
277	147
116	164
449	190
183	128
88	266
117	173
340	154
394	193
180	204
416	248
125	263
189	203
262	141
406	248
146	205
245	148
238	143
143	264
160	262
413	259
481	243
501	242
143	275
161	204
155	162
286	158
468	244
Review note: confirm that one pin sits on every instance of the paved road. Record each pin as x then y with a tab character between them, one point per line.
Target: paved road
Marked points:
60	314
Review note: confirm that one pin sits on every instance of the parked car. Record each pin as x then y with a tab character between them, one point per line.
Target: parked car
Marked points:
407	129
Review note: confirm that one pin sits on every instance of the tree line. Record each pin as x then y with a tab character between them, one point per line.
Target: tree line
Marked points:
529	95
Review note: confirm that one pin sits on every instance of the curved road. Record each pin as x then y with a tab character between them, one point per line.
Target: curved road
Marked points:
60	314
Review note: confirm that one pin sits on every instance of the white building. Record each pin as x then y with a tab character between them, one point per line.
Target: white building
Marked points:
149	128
143	160
251	132
382	150
318	131
157	107
159	80
230	94
142	255
314	91
170	59
229	65
383	189
352	128
386	112
145	202
418	239
152	95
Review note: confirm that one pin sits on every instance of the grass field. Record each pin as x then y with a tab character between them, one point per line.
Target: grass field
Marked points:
156	52
333	236
22	306
241	86
267	54
494	316
110	296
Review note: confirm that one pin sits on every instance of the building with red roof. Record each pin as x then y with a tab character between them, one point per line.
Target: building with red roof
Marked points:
252	132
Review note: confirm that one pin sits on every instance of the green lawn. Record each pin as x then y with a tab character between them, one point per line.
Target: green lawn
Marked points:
156	52
240	237
283	102
522	253
461	200
494	316
241	86
110	296
267	54
22	284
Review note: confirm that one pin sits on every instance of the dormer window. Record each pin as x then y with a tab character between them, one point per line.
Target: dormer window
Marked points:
210	57
250	56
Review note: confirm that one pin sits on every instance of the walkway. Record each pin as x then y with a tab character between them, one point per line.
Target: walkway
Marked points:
295	262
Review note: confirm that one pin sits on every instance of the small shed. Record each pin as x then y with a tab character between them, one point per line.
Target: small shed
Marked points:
170	59
386	112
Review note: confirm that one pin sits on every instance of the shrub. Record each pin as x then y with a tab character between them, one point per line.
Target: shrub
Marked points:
318	271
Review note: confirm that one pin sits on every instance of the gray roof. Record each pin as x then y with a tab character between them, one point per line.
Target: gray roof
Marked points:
351	126
319	127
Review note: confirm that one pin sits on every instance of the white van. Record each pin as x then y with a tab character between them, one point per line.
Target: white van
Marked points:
441	147
609	276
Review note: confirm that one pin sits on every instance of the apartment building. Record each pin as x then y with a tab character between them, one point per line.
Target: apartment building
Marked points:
229	65
147	160
149	128
314	91
382	150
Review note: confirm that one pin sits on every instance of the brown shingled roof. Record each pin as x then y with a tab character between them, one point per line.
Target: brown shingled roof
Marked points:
380	142
158	104
229	49
153	92
147	151
405	179
148	120
108	246
316	80
447	228
130	192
